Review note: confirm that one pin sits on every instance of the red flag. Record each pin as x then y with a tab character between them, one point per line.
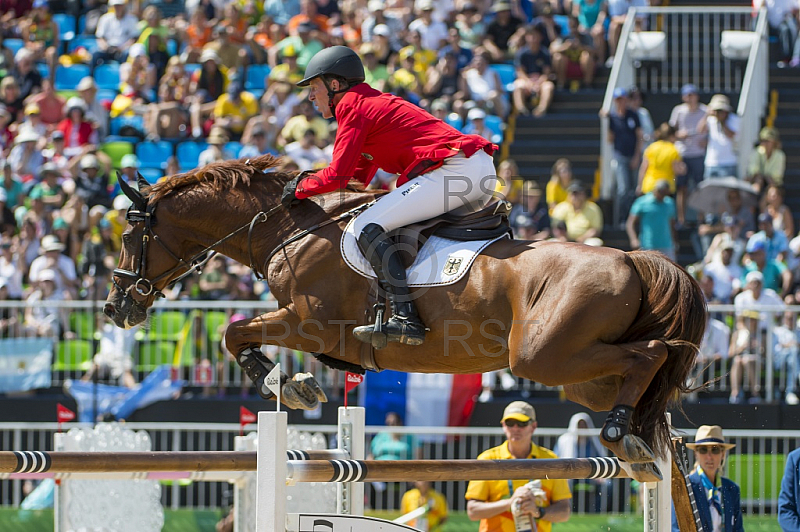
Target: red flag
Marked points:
351	380
245	418
64	414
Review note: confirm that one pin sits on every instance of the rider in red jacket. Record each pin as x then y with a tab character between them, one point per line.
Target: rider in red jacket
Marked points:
440	169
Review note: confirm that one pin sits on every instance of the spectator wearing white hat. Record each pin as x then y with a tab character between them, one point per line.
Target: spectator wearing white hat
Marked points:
116	31
129	171
433	32
25	159
51	259
41	319
28	78
722	126
386	23
96	112
91	179
476	124
77	129
718	498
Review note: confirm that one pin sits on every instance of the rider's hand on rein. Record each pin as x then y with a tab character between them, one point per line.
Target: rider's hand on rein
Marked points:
289	197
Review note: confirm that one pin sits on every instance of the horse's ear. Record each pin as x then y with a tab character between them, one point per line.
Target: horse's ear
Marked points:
138	200
141	181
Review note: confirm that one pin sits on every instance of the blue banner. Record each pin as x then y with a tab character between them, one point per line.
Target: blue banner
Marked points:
119	401
25	364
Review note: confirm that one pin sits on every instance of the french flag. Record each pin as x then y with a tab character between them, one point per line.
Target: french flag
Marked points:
421	399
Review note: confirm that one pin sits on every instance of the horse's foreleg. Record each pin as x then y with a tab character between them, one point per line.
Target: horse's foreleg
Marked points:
244	339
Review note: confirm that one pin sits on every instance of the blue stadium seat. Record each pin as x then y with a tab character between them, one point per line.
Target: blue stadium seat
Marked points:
14	45
107	76
188	154
563	22
82	25
151	174
106	95
68	77
154	154
172	47
191	68
256	76
66	26
43	69
495	124
90	43
115	124
454	119
234	148
507	75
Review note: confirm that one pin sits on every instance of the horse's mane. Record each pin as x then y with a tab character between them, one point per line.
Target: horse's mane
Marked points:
225	175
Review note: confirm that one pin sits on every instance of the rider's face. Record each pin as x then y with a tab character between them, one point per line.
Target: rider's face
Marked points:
319	95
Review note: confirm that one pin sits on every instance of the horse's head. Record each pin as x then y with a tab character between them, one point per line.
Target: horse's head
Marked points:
146	263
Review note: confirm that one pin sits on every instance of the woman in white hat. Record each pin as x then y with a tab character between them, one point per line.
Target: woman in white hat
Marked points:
717	497
722	126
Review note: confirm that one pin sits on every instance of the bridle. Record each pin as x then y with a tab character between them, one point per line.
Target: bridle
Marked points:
146	287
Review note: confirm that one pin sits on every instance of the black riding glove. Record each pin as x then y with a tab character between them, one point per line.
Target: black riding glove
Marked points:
289	197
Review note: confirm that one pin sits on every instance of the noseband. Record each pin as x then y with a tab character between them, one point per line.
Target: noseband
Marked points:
146	287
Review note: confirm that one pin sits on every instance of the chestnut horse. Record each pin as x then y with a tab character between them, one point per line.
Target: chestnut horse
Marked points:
618	330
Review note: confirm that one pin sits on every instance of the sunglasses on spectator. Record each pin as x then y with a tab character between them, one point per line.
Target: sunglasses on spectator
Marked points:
703	449
515	423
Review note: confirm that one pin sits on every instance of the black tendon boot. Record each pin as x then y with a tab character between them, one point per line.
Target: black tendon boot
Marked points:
404	326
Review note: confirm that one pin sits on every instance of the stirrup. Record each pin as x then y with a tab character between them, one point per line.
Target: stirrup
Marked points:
399	329
374	334
256	370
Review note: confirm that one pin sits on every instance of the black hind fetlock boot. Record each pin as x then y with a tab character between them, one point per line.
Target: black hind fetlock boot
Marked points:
405	325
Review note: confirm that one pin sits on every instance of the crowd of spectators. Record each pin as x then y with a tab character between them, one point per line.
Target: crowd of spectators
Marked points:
222	75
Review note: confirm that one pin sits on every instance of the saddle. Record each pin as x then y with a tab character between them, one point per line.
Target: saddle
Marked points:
485	224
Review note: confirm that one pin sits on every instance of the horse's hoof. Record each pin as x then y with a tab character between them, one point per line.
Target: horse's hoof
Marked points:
644	472
303	392
311	386
631	449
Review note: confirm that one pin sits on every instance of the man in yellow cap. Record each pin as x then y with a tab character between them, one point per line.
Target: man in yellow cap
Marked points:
492	501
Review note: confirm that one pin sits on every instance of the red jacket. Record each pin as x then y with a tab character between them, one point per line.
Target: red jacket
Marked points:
378	130
85	130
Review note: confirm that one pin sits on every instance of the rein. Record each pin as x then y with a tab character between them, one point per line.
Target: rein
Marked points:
305	232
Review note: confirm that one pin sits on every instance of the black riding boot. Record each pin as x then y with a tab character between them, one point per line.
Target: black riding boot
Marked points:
404	326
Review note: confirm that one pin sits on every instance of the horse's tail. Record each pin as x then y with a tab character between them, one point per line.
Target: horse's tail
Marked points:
673	310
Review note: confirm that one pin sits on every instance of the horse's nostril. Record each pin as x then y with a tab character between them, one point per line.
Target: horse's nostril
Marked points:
108	310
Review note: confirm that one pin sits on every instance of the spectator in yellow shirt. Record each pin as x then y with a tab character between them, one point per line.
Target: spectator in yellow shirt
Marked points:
423	496
583	217
307	119
235	108
560	180
491	500
661	160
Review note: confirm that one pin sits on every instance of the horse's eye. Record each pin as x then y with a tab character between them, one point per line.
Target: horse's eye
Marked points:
126	238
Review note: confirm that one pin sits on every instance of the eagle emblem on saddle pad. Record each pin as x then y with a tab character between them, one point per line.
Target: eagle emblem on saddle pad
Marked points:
452	265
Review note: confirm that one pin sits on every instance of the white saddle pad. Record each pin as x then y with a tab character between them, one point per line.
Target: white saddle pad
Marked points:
441	261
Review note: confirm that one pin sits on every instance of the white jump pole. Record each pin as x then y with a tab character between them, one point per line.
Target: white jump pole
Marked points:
271	473
657	496
351	438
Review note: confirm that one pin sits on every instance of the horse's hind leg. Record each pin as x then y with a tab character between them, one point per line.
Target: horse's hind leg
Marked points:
641	362
244	339
635	363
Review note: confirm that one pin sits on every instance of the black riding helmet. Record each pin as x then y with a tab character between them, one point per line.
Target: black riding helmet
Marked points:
338	61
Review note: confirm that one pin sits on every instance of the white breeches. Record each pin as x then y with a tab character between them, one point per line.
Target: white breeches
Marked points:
461	183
